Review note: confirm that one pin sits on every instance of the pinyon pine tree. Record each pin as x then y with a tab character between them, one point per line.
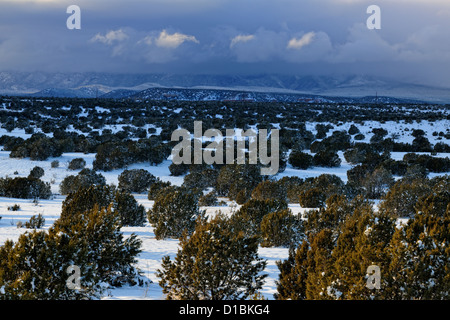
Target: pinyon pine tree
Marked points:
214	263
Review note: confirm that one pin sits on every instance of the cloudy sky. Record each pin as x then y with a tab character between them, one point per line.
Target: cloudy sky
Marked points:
230	36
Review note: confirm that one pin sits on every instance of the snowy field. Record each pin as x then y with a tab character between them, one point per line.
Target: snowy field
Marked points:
153	250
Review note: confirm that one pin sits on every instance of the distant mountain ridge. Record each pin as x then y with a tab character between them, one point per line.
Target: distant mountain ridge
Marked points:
91	85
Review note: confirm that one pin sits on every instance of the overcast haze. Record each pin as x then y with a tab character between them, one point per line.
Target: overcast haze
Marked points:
230	36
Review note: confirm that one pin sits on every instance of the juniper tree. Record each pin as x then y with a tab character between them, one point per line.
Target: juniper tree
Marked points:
402	197
130	212
269	190
36	266
249	217
98	230
363	240
136	180
174	212
36	173
420	251
214	263
291	283
84	179
300	160
281	229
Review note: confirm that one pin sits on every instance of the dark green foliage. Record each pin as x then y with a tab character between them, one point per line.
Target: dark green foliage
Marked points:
214	263
200	178
136	180
292	186
38	147
353	130
157	187
15	207
346	237
300	160
248	218
55	164
35	267
234	178
130	211
377	183
281	229
269	190
209	199
433	164
36	173
174	212
116	155
36	222
243	196
84	199
339	140
77	164
24	188
314	191
84	179
311	198
326	158
402	197
97	231
178	169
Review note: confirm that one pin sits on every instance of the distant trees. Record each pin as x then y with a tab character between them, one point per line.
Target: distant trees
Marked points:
233	178
249	217
38	147
118	154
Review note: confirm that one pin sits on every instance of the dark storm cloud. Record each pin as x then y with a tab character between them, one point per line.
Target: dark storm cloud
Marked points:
229	36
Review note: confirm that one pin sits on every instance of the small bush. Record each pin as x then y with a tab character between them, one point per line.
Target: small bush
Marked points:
36	222
55	164
77	164
36	172
15	207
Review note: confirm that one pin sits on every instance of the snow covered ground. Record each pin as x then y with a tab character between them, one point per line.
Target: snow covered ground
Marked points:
153	250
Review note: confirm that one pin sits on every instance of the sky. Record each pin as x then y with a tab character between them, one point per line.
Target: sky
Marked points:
301	37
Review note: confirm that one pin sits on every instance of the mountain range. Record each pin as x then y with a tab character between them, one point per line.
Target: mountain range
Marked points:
207	86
